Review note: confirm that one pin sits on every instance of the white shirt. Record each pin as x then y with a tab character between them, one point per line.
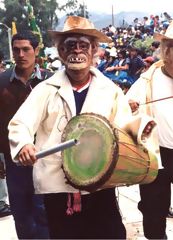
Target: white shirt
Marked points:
163	110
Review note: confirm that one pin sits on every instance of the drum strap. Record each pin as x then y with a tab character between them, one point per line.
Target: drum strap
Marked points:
77	206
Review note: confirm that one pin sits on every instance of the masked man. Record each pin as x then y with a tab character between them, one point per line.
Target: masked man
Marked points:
79	88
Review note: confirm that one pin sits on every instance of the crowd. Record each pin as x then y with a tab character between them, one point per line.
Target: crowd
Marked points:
132	50
88	64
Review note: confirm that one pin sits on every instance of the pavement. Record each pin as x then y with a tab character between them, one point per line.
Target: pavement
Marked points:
128	199
7	229
132	217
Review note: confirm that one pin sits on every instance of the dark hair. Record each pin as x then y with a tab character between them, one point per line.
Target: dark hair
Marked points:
26	35
123	53
155	44
132	47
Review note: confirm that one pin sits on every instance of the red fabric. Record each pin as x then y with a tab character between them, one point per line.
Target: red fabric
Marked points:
77	206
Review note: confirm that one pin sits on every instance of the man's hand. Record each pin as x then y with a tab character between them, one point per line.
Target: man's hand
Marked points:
133	105
148	129
27	156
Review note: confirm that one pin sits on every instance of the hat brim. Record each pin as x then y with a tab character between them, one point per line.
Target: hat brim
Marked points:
101	37
159	37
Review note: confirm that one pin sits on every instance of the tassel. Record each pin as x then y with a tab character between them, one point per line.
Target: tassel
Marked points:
77	205
69	210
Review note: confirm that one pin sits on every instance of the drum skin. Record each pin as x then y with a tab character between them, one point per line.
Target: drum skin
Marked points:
105	156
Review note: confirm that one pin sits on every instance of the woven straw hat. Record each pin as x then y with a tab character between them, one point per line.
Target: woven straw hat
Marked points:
75	24
168	34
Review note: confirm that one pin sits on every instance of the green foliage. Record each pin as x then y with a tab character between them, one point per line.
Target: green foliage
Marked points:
81	11
144	45
45	13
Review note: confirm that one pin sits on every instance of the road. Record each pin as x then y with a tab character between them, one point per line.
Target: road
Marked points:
128	198
132	217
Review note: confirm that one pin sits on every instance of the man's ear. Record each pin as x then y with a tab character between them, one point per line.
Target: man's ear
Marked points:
37	50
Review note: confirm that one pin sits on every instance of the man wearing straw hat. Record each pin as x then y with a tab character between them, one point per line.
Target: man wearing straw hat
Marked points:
152	94
79	88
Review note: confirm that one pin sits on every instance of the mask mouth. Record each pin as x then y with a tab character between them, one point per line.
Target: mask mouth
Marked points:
77	62
77	58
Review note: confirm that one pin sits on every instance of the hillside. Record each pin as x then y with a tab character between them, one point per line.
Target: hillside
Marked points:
103	20
120	20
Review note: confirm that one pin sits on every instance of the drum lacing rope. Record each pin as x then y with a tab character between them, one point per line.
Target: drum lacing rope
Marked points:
77	205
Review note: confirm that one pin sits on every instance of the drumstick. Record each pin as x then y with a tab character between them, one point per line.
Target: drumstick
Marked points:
59	147
157	100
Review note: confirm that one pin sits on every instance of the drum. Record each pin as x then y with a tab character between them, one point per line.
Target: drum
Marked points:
105	156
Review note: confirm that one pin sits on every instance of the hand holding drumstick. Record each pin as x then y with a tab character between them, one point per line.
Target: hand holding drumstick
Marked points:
28	155
135	105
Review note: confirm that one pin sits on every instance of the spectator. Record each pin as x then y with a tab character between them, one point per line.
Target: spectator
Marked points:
15	85
120	68
103	60
156	23
155	48
107	67
136	65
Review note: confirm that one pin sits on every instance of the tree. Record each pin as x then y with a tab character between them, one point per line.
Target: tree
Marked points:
45	14
81	11
144	45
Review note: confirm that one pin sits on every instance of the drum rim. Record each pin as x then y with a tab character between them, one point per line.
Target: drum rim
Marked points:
114	152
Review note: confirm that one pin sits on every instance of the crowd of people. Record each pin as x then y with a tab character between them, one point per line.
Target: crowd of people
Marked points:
127	56
38	98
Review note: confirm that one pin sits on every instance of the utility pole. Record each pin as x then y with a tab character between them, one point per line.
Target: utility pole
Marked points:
112	15
84	14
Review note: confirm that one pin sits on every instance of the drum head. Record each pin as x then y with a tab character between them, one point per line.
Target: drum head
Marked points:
91	162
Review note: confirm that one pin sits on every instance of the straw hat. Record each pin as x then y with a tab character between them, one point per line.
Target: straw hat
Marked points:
168	34
75	24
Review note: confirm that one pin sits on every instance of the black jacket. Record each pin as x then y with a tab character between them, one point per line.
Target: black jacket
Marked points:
12	95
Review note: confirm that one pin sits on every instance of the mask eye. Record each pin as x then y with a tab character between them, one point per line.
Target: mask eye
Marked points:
84	45
70	45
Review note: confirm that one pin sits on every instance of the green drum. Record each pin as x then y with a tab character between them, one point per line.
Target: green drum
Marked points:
105	156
